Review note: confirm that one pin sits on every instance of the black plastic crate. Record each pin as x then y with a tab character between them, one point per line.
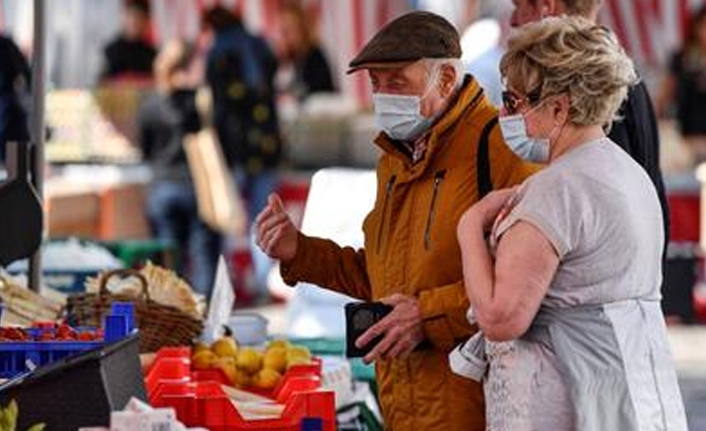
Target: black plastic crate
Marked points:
80	391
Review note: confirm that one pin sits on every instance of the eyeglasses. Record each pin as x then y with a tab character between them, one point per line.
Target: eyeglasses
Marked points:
512	102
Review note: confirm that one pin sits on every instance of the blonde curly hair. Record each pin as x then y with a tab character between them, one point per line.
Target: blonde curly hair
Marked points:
572	56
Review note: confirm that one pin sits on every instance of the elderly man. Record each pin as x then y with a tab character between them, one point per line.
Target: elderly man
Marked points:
637	133
442	151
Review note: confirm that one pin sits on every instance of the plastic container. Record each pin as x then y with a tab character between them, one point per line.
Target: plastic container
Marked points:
174	365
203	403
250	329
79	391
17	357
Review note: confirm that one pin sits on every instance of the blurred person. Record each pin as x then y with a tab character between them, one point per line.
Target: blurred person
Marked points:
240	70
636	130
685	86
301	56
567	294
130	55
15	81
482	44
442	149
164	120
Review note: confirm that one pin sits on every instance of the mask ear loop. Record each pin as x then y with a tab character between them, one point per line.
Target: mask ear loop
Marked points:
551	136
431	83
551	133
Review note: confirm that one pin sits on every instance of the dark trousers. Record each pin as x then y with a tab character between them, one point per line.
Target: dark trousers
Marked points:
173	215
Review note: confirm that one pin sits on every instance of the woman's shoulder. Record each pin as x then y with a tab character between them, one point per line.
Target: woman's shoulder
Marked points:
574	173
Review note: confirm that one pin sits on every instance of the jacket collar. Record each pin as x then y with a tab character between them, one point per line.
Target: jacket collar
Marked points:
468	97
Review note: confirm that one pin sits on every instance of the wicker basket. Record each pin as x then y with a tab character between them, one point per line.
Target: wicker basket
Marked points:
160	325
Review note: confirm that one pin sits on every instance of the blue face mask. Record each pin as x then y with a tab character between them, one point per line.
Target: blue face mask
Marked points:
514	130
400	116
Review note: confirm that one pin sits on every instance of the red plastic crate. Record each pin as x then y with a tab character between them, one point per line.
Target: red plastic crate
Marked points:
199	401
685	217
174	365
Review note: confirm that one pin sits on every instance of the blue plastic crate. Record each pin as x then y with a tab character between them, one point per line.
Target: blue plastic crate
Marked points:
17	357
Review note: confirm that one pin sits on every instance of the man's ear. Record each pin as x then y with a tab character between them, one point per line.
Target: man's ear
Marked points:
447	80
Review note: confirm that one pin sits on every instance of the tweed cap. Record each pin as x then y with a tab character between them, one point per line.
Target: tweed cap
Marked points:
408	38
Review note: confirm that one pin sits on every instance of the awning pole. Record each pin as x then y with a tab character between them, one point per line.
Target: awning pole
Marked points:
37	126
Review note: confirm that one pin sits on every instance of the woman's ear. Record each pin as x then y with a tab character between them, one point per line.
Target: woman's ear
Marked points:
549	8
561	106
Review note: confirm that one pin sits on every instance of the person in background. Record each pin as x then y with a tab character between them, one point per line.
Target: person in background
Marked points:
442	149
14	95
685	86
130	55
240	70
306	65
636	130
164	120
483	45
567	292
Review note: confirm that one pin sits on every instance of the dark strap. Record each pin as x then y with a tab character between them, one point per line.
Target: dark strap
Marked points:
485	185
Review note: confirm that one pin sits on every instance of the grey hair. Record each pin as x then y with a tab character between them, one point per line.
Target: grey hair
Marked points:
433	67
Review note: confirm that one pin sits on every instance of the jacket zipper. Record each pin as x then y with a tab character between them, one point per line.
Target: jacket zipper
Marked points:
438	178
388	192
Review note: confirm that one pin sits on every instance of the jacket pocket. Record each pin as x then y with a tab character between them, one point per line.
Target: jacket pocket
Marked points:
438	179
383	218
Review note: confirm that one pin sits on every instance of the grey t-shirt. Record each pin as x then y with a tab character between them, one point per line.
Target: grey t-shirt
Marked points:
601	213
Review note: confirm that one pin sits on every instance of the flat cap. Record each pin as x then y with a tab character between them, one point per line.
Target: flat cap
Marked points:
410	37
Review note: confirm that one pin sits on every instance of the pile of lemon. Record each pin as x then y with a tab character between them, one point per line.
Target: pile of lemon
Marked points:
247	367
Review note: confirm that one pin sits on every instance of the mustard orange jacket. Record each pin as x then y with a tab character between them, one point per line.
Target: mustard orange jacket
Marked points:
411	249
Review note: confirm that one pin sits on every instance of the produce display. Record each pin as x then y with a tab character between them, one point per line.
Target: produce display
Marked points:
246	367
92	125
200	397
61	332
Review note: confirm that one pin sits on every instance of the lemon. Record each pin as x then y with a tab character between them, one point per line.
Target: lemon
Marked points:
225	347
204	359
249	360
298	352
275	359
266	379
199	347
291	362
227	365
282	344
241	379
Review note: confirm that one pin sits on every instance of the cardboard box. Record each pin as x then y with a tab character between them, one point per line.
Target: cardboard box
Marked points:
122	213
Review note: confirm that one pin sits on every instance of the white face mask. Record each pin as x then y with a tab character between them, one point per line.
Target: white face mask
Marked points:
400	116
514	130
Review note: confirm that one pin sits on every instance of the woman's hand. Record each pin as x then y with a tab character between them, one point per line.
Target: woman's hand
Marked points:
485	211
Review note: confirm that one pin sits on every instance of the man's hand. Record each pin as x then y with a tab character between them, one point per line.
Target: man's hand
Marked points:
276	234
402	330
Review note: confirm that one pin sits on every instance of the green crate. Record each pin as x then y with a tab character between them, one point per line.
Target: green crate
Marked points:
134	253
